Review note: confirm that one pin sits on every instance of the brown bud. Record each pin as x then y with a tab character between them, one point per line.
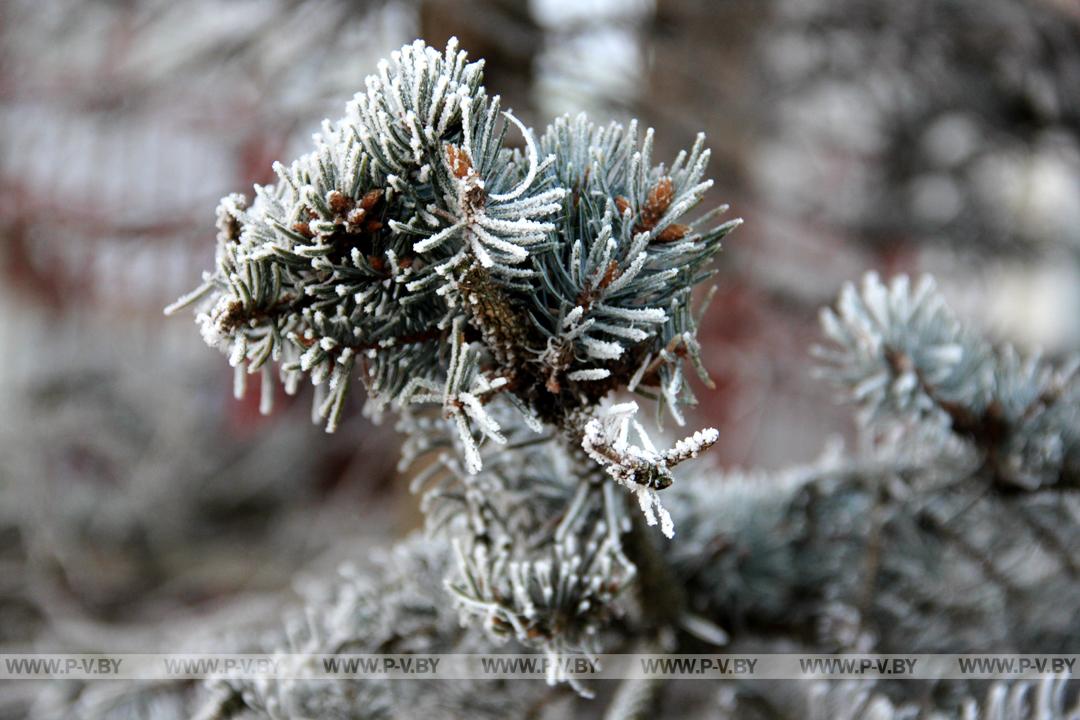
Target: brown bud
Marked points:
672	232
610	274
371	199
339	203
657	203
356	216
459	161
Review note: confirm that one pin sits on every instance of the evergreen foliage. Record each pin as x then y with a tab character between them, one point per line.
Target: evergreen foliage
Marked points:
492	298
495	299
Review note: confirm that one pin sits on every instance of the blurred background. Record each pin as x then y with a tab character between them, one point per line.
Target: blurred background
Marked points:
936	136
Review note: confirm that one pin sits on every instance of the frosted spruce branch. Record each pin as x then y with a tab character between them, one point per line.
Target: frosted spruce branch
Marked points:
901	354
493	298
392	605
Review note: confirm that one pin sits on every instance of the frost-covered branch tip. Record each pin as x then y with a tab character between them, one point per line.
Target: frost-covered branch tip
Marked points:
900	353
641	468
